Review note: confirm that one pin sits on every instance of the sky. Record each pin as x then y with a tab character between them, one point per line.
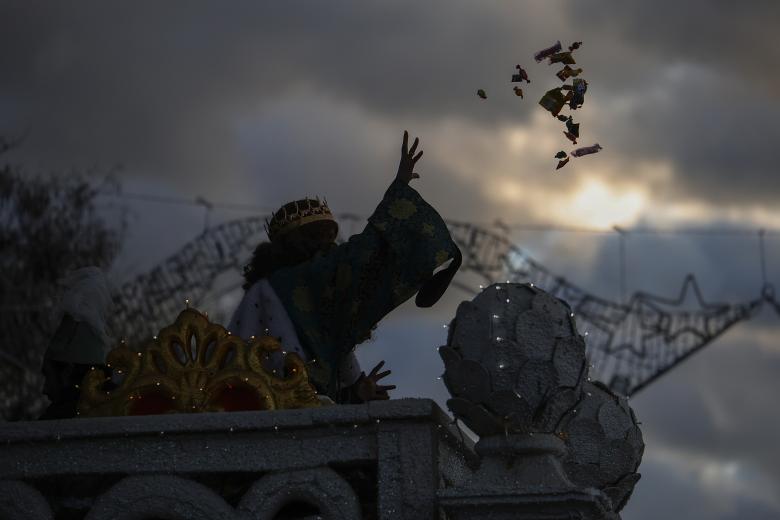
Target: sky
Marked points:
261	103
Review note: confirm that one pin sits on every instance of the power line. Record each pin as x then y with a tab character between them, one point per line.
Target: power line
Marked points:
199	202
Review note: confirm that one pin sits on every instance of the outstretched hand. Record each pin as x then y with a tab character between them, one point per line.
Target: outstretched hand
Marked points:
408	159
367	387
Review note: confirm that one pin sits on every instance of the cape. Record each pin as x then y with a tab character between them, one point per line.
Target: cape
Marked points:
336	298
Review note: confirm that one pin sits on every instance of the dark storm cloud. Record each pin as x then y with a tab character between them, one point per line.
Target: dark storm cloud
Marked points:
703	87
159	87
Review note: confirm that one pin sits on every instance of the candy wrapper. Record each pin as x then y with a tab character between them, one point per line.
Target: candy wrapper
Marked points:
572	127
481	93
587	150
521	75
578	90
567	72
518	92
553	101
549	51
562	57
562	163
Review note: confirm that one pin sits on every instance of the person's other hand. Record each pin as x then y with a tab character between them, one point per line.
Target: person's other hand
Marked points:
367	388
408	159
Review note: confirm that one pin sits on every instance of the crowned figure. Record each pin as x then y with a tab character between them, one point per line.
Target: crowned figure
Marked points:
321	299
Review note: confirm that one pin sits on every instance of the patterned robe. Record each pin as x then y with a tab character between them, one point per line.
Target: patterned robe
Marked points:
335	299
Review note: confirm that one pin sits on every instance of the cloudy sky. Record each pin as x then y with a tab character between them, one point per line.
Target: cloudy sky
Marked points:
261	103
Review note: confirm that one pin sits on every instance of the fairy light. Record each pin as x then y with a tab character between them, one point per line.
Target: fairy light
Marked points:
498	338
495	316
187	303
507	300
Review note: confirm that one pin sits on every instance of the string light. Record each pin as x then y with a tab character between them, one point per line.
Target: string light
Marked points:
507	300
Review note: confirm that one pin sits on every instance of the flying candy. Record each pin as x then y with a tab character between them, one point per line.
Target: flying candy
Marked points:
562	163
587	150
481	93
521	75
562	57
567	72
549	51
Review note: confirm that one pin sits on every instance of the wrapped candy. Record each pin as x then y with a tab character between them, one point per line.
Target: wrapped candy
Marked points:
562	57
567	72
572	127
574	46
549	51
521	75
560	155
481	93
553	101
518	92
587	150
578	90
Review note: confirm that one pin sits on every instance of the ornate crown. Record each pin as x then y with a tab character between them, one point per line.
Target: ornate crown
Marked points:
296	214
196	366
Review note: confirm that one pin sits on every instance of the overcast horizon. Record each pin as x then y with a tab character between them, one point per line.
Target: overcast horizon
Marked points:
259	104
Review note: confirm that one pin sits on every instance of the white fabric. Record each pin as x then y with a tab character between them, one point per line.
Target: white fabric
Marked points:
87	298
262	312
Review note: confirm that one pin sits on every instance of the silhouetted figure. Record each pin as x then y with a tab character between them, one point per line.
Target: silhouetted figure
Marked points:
322	299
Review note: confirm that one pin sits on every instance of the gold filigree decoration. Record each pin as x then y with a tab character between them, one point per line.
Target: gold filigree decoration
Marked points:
194	365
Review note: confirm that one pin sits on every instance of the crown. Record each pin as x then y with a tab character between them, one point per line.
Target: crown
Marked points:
296	214
194	365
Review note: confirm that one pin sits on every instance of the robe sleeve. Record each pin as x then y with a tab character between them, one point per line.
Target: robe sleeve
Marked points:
335	299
